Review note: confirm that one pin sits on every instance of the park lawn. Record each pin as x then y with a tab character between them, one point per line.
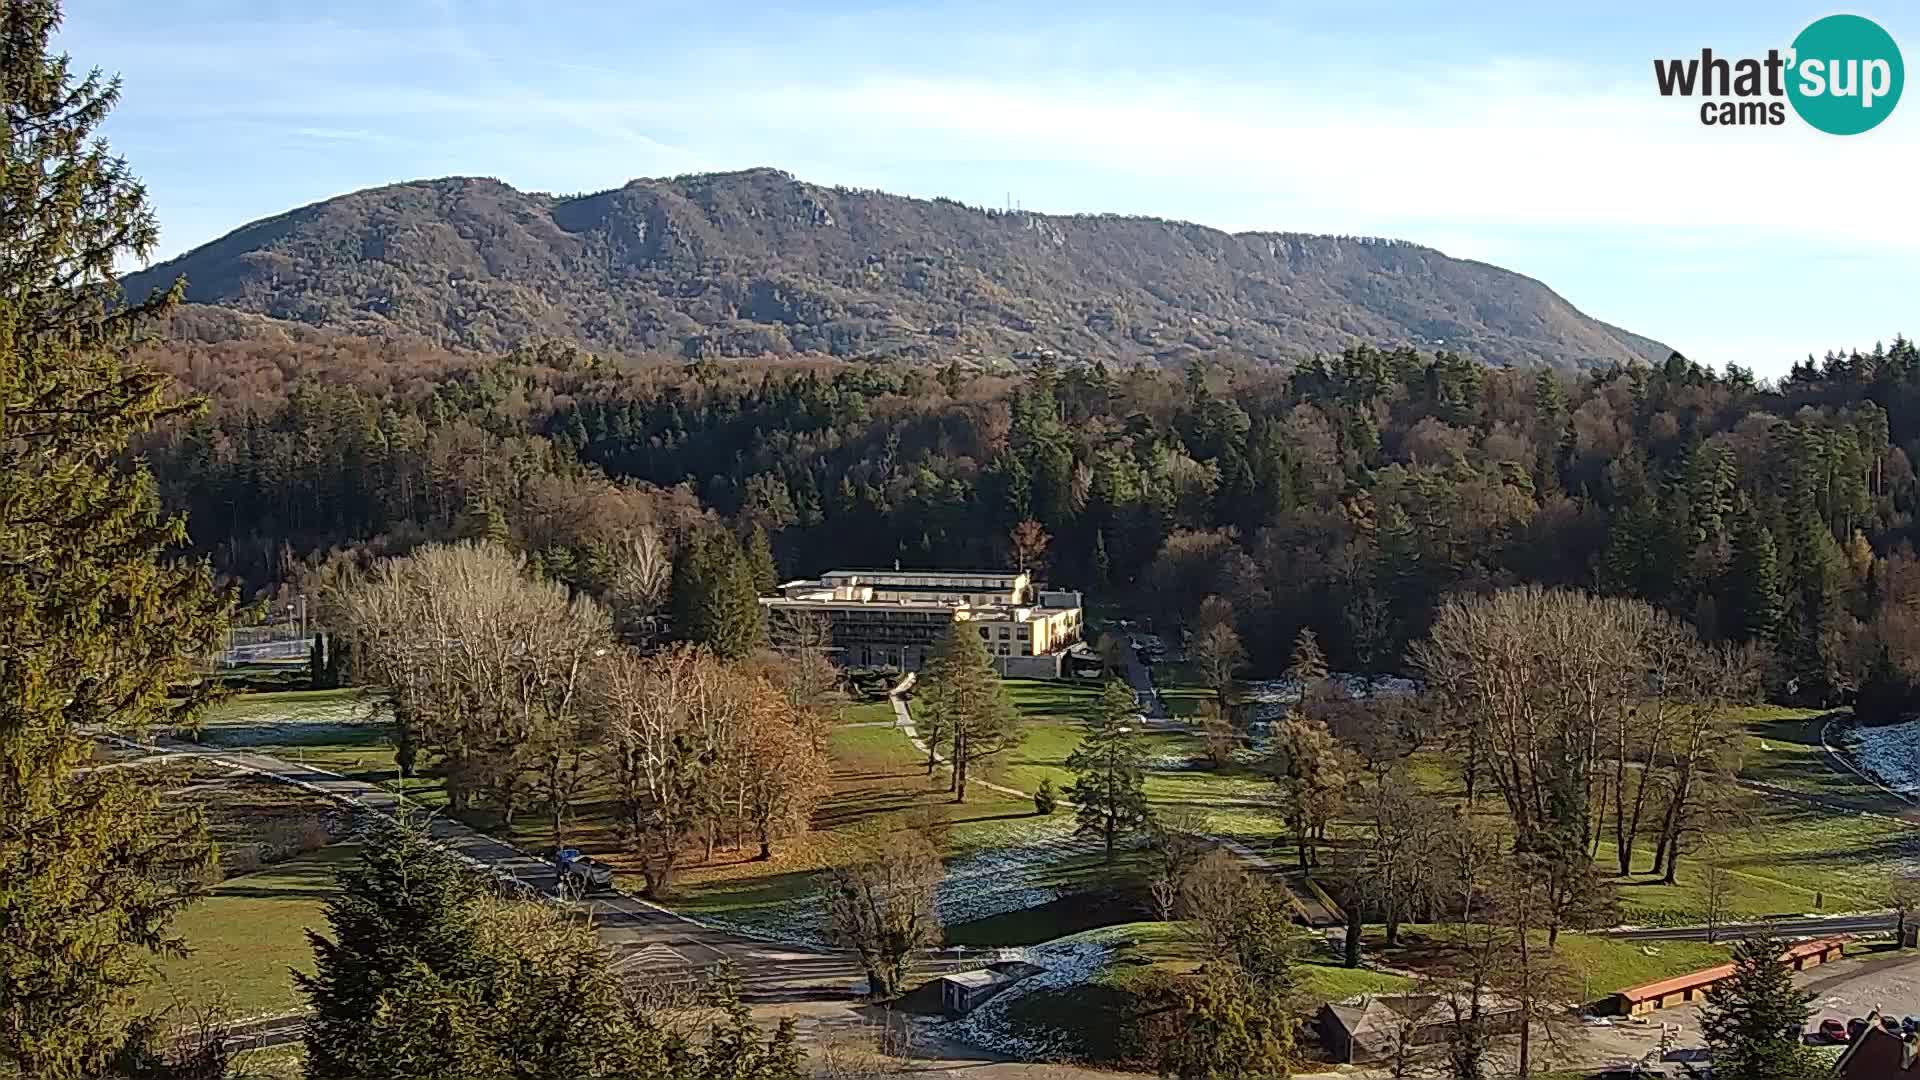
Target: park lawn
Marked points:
1783	750
1596	965
1792	857
865	712
1788	854
1140	947
246	935
273	1063
1046	742
879	783
343	731
1053	720
289	716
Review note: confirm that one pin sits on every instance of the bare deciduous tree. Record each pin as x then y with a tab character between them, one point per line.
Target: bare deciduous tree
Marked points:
483	663
1217	653
880	904
1569	702
642	573
652	729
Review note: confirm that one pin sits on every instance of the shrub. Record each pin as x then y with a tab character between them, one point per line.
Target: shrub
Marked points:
1045	799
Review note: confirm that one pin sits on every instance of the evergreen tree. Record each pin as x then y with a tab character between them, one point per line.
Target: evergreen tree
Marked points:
969	700
1753	1019
101	629
402	931
317	662
760	562
1108	791
427	977
736	624
1232	1029
1752	591
715	598
339	659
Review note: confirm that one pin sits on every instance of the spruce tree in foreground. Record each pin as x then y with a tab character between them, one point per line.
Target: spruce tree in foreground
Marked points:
99	627
1109	787
1753	1019
428	976
402	931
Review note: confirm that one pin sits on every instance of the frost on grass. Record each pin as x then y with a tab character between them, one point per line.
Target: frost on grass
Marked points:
1890	754
1266	699
1066	965
274	720
1005	869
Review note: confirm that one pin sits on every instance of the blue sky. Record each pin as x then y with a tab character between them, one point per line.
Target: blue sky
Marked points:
1517	133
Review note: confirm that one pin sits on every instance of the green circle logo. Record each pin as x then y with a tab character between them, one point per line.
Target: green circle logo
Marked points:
1845	75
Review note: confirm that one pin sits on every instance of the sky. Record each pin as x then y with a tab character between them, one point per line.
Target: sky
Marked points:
1529	135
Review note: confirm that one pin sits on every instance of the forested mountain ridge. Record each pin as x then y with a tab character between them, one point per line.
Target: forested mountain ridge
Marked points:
757	263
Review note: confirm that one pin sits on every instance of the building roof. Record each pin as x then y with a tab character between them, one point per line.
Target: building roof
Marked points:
1706	976
995	574
884	587
1374	1020
810	604
1877	1054
979	978
1691	980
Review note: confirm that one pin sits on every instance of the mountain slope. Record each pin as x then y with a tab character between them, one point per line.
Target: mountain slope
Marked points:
755	262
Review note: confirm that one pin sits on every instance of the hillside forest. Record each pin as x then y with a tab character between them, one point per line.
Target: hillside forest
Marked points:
1347	495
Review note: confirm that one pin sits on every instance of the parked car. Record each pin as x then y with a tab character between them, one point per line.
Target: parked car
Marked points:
1910	1024
1890	1025
580	875
1833	1031
1856	1027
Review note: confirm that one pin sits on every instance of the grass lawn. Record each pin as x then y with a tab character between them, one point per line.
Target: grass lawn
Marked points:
1164	947
1597	966
246	935
1784	854
866	712
1789	857
1180	688
879	783
1783	750
1098	1021
1232	801
342	731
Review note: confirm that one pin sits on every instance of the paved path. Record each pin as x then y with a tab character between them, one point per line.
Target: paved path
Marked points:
643	936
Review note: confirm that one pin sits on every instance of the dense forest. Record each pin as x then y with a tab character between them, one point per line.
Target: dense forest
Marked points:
1347	495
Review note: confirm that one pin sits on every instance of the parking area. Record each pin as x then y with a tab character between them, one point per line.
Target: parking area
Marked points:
1889	982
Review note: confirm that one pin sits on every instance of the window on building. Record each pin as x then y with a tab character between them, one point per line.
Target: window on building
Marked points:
983	631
